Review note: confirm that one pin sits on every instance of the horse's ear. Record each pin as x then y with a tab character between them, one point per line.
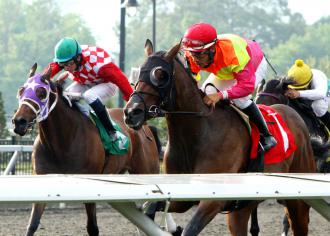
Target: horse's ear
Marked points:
148	48
171	54
286	81
46	75
33	70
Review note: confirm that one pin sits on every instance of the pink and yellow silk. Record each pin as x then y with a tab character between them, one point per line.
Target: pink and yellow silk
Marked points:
235	58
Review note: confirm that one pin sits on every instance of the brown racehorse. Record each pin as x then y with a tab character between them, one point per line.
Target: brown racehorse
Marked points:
272	92
203	143
69	143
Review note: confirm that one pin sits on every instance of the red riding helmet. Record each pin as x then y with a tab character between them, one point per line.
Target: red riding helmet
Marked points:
199	37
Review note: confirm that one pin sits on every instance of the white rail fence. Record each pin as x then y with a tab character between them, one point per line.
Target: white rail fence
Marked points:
17	149
123	191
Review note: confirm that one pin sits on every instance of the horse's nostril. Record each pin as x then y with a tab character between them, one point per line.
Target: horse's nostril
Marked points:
20	121
137	111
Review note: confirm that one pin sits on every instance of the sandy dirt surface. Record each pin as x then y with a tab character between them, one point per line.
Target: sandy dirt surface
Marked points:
71	221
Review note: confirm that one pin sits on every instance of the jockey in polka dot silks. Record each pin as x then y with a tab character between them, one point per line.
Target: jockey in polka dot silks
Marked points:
237	66
94	74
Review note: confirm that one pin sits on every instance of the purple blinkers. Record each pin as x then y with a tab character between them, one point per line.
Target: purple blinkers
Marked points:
30	95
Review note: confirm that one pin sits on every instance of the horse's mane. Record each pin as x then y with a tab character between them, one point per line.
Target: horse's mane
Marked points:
278	85
60	90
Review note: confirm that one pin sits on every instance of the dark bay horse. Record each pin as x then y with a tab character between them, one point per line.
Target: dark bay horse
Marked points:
69	143
272	92
201	141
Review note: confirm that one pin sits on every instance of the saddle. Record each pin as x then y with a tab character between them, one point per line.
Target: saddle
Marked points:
118	147
277	127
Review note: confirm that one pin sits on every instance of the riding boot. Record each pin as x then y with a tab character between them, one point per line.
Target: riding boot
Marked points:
326	120
103	115
267	140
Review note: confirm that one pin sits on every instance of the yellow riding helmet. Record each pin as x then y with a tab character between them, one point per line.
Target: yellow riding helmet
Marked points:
301	73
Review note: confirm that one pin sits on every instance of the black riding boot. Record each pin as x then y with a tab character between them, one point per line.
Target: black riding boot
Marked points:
326	119
103	115
267	140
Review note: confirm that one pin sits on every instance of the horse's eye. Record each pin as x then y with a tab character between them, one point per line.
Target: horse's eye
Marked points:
159	77
20	92
41	93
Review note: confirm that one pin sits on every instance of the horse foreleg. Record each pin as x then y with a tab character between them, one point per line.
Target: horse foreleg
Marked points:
254	229
298	214
205	212
36	213
92	227
238	221
286	226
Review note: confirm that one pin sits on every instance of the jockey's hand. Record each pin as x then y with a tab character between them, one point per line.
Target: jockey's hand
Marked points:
212	99
292	93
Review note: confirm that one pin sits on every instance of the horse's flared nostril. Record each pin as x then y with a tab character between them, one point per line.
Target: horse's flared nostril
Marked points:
20	122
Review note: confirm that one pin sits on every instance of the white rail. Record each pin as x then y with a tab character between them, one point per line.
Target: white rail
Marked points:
123	190
17	149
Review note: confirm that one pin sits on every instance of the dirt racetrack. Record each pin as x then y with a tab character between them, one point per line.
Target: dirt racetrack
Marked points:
71	221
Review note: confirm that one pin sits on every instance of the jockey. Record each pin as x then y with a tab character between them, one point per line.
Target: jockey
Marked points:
311	84
237	66
94	74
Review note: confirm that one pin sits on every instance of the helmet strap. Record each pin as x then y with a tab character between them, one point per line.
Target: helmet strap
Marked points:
211	54
76	61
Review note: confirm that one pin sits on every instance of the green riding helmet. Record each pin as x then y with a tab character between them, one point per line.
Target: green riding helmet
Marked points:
66	49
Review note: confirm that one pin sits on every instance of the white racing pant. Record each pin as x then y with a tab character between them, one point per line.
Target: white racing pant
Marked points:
321	106
90	93
223	85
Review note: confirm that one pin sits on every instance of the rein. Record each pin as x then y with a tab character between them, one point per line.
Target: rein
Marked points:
278	98
155	111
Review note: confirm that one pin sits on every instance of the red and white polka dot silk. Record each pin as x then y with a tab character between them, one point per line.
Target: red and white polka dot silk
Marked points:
93	59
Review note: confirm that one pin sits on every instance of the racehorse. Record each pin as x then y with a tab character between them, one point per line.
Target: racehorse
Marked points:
272	92
69	143
202	140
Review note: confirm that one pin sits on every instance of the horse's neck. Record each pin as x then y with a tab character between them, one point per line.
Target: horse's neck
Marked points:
61	126
188	99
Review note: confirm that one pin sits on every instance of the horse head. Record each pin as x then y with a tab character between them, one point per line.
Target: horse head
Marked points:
34	100
157	88
272	92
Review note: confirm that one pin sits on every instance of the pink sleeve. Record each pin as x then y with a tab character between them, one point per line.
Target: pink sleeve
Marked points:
245	82
246	78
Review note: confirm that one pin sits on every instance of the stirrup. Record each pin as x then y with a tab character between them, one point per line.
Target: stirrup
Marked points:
268	142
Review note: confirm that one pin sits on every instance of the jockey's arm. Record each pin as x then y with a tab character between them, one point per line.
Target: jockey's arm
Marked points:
54	67
319	89
111	73
245	84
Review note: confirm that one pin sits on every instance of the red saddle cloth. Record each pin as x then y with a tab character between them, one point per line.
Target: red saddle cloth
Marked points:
277	127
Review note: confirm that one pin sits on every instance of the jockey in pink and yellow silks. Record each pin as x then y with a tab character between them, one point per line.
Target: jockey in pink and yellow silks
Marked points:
237	66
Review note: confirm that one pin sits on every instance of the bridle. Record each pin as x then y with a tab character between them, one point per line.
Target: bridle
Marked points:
165	91
40	107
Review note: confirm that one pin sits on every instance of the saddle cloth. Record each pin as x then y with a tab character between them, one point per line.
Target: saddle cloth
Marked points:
118	147
277	127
